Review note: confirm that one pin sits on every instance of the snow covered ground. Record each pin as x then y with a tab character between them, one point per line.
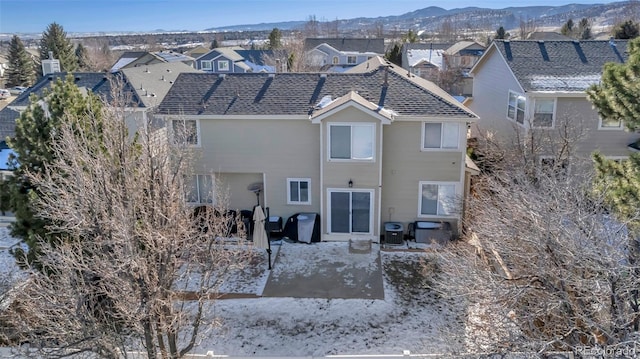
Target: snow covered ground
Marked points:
411	316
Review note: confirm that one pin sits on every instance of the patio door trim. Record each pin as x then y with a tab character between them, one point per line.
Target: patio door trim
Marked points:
371	210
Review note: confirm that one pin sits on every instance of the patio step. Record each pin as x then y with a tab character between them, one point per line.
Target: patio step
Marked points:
360	246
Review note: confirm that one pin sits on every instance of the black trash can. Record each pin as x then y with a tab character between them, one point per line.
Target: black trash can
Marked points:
393	233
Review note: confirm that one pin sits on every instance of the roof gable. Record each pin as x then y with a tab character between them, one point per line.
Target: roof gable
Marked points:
568	66
352	99
361	45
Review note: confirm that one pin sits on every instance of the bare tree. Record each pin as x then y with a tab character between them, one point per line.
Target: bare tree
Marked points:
137	268
527	26
543	265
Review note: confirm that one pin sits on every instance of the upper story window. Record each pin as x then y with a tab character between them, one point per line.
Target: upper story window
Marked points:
298	191
223	65
351	142
515	107
185	132
610	124
336	60
436	135
351	60
205	65
544	112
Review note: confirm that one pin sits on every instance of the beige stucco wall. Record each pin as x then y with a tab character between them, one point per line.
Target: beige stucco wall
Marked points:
244	151
405	165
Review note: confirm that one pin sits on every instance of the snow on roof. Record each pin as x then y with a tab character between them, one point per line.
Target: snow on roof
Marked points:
415	56
568	83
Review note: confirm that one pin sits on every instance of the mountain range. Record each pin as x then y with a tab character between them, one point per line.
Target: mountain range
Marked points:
434	18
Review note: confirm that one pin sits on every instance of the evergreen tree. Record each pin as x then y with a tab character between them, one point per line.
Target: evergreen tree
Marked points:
82	57
584	29
35	131
501	33
616	97
54	39
275	38
411	37
214	44
567	29
394	55
21	71
626	30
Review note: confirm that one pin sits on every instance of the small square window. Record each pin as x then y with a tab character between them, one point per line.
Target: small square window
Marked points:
205	65
185	132
200	189
223	65
543	112
298	191
515	107
437	199
438	135
351	142
351	60
610	124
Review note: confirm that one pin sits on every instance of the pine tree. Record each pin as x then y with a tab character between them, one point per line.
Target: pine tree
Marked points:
54	39
584	29
275	39
616	97
21	71
35	130
394	54
567	29
82	56
626	30
501	33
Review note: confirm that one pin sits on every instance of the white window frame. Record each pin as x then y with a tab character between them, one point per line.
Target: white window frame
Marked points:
186	143
223	65
209	66
553	112
198	183
516	109
335	60
298	180
355	59
443	126
440	210
609	128
351	191
352	125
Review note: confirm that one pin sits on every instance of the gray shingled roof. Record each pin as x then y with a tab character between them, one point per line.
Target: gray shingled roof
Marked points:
8	119
560	65
298	93
347	44
97	82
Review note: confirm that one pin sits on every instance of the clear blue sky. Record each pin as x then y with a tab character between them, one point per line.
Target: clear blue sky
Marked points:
20	16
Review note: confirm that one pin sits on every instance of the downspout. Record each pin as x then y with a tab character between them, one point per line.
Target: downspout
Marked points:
379	214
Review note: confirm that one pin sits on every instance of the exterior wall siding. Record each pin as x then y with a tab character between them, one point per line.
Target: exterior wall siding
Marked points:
405	165
249	149
491	85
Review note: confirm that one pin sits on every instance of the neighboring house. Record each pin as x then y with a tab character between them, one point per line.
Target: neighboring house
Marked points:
520	85
197	51
131	59
460	58
423	60
340	54
100	83
152	82
238	60
358	148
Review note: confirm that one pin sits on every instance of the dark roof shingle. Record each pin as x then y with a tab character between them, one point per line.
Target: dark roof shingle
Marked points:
299	93
560	65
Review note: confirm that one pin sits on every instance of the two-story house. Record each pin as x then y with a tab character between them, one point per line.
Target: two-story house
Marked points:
238	60
460	58
340	54
524	85
357	148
